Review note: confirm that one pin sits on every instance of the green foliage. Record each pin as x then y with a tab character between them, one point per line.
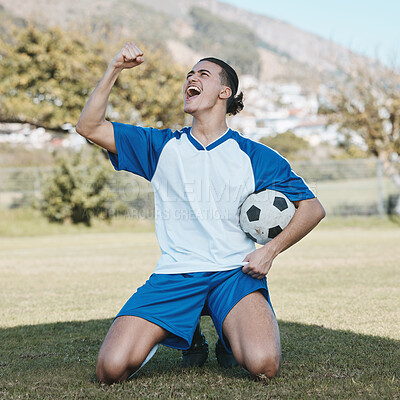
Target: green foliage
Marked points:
45	76
351	150
287	143
78	190
150	94
366	106
233	42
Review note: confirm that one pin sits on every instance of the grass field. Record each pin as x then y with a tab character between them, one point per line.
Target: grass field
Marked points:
336	295
361	195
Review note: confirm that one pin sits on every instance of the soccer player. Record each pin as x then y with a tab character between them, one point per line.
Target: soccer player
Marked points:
200	176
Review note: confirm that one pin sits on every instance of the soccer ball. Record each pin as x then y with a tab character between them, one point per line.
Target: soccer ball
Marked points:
264	215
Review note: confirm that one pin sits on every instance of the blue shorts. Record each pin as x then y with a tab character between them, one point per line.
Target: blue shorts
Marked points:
176	301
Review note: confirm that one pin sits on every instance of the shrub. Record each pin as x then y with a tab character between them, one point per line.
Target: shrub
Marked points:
78	189
287	143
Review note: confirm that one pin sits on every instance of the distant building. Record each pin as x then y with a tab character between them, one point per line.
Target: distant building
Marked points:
272	108
32	137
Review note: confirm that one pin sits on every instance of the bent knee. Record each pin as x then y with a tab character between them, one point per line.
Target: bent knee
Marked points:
264	365
108	370
112	369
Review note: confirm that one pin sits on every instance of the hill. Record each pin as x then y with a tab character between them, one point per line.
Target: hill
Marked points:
257	45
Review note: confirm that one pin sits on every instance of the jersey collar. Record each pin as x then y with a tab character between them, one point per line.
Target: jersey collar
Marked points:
225	136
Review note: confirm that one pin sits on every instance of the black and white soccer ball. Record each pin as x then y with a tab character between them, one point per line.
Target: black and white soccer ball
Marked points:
264	215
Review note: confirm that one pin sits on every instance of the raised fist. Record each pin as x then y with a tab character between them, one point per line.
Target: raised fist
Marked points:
130	56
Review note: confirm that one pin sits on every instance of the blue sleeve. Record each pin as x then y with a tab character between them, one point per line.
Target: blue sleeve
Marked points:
272	171
138	148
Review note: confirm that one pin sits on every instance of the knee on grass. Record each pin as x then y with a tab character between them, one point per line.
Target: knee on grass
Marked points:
263	365
113	368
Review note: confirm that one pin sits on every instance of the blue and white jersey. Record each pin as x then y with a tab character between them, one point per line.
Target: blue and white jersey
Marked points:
198	192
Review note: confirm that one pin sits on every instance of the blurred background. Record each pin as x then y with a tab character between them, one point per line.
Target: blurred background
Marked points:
321	86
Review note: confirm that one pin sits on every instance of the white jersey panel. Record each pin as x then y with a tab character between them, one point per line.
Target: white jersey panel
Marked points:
197	202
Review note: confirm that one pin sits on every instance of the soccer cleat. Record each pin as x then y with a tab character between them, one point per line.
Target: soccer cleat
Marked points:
196	355
225	359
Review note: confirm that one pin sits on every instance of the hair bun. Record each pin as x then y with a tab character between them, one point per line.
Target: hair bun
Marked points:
236	105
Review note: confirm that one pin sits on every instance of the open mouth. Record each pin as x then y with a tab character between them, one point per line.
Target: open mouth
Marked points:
192	92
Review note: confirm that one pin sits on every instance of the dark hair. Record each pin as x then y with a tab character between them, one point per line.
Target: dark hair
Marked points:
235	103
229	78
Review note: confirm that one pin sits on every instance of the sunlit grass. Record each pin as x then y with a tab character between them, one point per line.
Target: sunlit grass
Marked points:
336	296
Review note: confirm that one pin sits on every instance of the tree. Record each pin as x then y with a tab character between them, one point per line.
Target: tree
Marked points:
46	77
78	189
366	106
287	143
151	94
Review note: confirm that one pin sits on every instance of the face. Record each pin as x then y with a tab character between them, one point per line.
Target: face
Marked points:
203	88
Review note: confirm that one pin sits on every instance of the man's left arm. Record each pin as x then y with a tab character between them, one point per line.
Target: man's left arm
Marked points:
307	216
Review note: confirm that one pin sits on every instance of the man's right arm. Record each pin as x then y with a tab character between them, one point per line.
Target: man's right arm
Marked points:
92	123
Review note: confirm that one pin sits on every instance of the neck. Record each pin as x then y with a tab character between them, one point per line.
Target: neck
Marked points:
207	131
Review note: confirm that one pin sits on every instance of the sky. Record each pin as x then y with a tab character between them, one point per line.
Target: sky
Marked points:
368	27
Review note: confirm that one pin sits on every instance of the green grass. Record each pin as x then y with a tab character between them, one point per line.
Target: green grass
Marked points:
56	361
336	296
337	195
29	222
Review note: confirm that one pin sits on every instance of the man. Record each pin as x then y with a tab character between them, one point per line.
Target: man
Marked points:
200	175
